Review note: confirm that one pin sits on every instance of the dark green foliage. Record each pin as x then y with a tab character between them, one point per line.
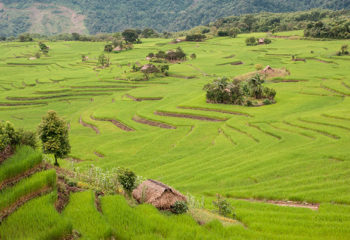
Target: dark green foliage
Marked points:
25	37
267	41
116	15
193	56
130	36
127	179
228	32
343	50
149	33
337	28
171	55
164	68
195	37
179	207
53	133
43	48
224	207
25	137
108	48
103	61
251	41
236	92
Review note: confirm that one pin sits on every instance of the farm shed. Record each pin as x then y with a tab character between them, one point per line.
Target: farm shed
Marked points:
158	194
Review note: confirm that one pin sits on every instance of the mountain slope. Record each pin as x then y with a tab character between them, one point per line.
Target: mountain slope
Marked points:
116	15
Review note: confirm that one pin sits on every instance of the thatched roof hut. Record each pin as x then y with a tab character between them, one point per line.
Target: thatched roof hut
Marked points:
268	69
149	68
117	49
158	194
261	40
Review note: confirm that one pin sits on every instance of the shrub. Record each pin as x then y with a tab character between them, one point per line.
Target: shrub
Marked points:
193	56
195	37
179	207
24	137
267	102
43	47
258	67
108	48
164	68
127	179
267	41
251	41
224	207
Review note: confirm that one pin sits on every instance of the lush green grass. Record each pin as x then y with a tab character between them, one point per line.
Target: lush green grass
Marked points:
296	149
81	211
24	159
27	186
146	222
37	219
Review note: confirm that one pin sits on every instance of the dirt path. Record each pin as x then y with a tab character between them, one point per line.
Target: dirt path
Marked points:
115	122
140	99
312	206
196	117
89	125
152	123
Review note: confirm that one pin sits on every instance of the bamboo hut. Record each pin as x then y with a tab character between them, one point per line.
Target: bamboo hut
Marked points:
158	194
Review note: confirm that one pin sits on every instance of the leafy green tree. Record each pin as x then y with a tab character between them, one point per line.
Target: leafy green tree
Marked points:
103	60
251	41
130	35
43	47
108	48
25	37
76	36
53	133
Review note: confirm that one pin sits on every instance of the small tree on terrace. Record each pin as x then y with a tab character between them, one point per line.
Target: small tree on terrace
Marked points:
53	132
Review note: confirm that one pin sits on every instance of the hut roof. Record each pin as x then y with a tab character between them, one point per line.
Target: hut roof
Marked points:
261	40
158	194
117	49
149	68
268	68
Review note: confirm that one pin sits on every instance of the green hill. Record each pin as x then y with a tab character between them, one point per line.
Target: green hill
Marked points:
51	17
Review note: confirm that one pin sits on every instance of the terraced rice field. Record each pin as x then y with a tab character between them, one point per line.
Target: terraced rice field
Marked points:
297	149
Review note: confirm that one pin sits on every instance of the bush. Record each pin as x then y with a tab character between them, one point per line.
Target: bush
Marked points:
179	207
267	102
224	207
24	137
164	68
195	37
108	48
251	41
127	179
193	56
267	41
258	67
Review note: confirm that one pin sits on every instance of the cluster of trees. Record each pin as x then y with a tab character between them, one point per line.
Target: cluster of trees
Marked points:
273	22
240	93
177	55
195	37
228	32
53	133
336	28
11	137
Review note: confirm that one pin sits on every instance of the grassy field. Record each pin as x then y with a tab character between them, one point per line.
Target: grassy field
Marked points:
296	149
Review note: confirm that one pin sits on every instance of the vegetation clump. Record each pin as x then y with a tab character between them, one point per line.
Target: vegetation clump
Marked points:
127	179
43	48
224	208
239	92
171	55
195	38
179	207
343	50
9	136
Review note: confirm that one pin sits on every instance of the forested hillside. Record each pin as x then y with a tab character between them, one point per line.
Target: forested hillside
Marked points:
116	15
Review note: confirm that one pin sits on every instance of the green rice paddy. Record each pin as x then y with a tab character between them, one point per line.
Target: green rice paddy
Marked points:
297	149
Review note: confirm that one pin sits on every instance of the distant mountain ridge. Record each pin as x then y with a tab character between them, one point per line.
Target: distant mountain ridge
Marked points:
94	16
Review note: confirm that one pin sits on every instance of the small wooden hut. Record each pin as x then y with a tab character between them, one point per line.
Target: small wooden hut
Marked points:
117	49
261	41
149	68
158	194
